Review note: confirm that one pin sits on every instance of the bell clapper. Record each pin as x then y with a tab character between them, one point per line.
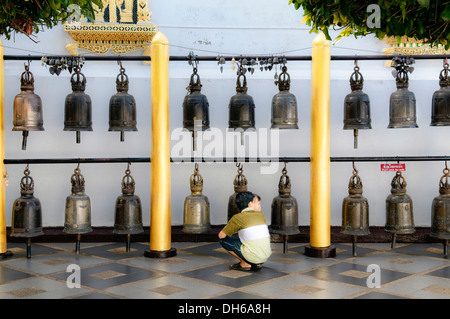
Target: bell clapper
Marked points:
394	238
446	248
128	242
28	247
242	138
24	140
77	245
285	244
355	138
354	238
122	136
78	137
194	140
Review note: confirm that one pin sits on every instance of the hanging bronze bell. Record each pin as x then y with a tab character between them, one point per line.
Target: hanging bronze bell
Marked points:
26	212
284	209
356	107
440	107
78	106
240	185
355	211
78	209
196	207
402	104
195	109
399	209
284	104
128	209
241	108
122	108
440	211
28	115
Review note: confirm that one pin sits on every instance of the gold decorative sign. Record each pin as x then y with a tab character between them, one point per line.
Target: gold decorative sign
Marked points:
121	26
410	46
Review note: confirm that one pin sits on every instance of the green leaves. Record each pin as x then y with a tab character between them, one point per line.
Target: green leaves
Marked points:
28	16
421	19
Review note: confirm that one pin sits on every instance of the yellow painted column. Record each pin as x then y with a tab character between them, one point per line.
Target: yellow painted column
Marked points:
3	252
320	151
160	219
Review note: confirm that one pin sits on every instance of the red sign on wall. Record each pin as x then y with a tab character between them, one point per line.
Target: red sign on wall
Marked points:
393	167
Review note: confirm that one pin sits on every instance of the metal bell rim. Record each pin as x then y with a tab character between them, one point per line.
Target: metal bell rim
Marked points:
28	128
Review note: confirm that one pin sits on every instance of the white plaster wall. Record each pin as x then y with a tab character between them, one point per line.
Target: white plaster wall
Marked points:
210	28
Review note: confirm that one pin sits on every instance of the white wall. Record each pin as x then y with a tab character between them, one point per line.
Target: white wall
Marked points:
259	28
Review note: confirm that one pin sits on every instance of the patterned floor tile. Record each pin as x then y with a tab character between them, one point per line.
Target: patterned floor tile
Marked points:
238	295
303	287
38	288
345	251
182	261
401	262
109	275
425	250
442	272
350	273
19	250
210	249
8	274
424	287
116	251
57	262
173	287
95	295
215	274
379	295
295	262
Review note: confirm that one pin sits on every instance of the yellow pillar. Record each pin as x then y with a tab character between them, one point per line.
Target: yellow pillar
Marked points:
320	151
3	252
160	220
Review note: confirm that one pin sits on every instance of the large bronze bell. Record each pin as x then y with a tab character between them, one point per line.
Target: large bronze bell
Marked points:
284	210
241	108
240	185
128	210
196	207
195	109
356	107
78	106
440	107
440	211
355	210
402	104
399	209
284	104
26	212
78	209
122	107
28	115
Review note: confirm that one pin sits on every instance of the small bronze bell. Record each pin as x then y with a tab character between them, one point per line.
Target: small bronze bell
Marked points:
195	109
241	108
28	115
128	211
284	210
122	108
196	207
240	185
399	209
78	209
284	104
356	107
440	107
26	212
402	104
355	211
440	211
78	106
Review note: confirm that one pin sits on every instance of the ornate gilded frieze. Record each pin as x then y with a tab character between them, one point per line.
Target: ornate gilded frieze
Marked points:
121	26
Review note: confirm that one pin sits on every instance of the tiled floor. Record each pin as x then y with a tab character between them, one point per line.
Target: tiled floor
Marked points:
200	271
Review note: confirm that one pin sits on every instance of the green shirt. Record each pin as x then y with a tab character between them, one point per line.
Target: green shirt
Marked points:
254	234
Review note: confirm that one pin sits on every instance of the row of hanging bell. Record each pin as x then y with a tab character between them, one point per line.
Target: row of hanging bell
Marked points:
355	211
196	216
27	212
284	211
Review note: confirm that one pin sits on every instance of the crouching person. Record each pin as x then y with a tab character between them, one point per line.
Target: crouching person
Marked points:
252	247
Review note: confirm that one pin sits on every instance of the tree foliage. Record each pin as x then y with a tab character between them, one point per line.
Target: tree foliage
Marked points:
28	16
426	20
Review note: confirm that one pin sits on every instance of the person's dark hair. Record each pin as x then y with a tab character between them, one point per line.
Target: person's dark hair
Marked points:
243	198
